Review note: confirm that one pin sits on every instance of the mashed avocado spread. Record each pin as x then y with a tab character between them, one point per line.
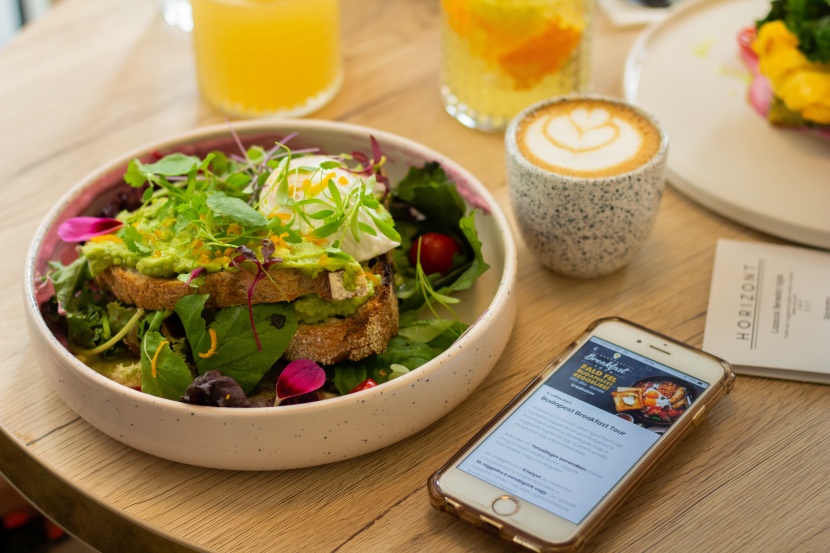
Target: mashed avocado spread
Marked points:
153	247
313	309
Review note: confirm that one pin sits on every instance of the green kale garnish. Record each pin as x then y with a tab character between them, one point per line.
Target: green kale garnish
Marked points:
809	20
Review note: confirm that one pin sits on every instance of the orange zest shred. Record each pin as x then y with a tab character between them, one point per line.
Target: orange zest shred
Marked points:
212	350
155	358
279	240
106	238
375	278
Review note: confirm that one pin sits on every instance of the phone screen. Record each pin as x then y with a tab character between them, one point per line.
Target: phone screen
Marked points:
578	434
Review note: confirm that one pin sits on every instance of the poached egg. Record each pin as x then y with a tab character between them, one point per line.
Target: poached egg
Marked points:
308	179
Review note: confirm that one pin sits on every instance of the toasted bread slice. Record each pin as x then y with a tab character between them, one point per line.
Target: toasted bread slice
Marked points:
629	400
365	332
226	288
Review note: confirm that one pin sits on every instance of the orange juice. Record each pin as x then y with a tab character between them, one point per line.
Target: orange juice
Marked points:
500	56
267	57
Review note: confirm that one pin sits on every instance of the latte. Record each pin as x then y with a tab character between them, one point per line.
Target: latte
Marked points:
587	137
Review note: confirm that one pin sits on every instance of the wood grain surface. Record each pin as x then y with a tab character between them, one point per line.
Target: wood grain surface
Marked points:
96	78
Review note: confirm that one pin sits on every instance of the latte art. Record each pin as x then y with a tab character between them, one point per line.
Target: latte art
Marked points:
587	138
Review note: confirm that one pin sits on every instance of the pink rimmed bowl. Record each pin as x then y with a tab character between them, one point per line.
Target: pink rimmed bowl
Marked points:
289	436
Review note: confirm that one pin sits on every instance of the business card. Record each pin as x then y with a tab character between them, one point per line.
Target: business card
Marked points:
769	310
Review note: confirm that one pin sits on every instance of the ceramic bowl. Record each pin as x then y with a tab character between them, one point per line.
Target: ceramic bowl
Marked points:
287	436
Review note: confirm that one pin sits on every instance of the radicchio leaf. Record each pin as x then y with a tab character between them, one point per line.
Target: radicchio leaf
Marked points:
216	390
299	377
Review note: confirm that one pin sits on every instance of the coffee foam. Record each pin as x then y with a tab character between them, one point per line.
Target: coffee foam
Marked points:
587	138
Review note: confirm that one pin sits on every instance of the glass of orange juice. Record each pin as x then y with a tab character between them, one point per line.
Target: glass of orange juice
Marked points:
257	58
500	56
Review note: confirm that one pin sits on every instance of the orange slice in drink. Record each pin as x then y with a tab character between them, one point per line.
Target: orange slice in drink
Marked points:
543	54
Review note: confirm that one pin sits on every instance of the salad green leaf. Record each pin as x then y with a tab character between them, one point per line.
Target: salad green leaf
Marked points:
429	190
809	20
236	210
415	344
163	372
228	342
439	208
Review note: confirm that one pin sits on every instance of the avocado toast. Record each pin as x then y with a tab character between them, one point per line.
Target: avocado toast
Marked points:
242	264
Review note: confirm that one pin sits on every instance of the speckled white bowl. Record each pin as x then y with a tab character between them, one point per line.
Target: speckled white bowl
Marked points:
295	435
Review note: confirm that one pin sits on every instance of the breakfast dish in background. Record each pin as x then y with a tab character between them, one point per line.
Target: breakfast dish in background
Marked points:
788	53
723	155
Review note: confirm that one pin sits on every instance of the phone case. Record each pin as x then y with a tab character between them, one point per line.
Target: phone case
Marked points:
444	502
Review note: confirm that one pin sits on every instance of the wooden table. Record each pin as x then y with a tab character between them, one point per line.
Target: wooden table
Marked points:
96	78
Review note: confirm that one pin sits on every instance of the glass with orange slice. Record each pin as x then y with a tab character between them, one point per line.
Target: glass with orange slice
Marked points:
499	56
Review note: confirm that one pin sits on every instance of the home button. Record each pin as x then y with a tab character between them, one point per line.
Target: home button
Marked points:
505	505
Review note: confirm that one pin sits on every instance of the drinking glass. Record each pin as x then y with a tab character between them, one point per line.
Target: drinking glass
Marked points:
499	56
258	58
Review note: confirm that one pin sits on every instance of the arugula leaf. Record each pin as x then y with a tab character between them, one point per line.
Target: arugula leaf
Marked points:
236	353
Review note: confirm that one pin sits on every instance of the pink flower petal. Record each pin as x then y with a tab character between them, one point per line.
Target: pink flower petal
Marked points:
80	229
760	94
300	377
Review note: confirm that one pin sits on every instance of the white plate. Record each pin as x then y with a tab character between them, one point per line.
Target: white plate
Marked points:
687	71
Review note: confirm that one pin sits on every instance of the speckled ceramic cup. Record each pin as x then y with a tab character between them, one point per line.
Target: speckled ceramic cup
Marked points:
586	175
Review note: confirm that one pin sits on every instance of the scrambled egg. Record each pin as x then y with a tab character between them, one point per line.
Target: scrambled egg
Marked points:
802	85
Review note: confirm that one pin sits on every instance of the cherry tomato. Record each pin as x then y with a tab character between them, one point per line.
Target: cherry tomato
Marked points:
437	251
365	385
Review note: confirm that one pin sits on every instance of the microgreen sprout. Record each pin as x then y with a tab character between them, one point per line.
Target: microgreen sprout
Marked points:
246	254
430	295
192	278
343	212
371	166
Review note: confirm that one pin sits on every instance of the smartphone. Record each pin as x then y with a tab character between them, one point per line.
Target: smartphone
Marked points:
555	462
